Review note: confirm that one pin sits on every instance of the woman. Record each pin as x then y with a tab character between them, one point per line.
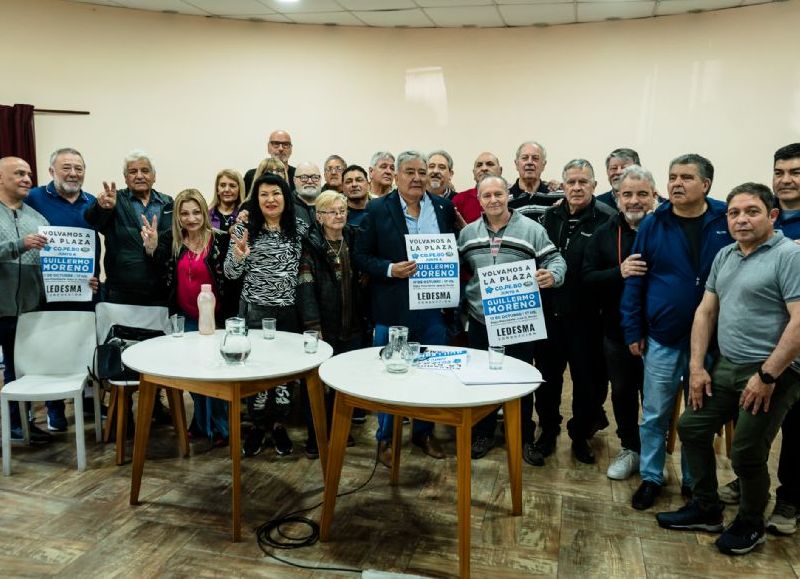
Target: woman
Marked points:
266	254
194	257
503	236
228	197
329	288
269	165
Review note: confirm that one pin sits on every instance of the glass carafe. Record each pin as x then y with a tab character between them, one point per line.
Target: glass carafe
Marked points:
235	345
395	353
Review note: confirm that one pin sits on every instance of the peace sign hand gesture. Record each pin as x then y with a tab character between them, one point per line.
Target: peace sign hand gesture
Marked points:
150	234
240	248
108	198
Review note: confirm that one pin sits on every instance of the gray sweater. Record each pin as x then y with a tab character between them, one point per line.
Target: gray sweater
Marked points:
22	289
523	239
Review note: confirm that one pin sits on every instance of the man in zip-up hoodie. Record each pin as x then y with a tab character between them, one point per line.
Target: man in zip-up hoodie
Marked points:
678	243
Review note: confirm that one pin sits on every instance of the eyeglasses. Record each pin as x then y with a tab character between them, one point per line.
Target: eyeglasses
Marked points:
276	144
334	170
305	178
337	213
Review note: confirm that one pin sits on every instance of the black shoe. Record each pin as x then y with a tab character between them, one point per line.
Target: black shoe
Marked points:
283	444
646	495
88	409
311	450
254	441
481	447
692	517
38	436
740	538
583	452
546	445
532	455
686	492
161	414
600	424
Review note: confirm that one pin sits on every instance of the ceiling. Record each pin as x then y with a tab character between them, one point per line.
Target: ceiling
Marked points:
428	13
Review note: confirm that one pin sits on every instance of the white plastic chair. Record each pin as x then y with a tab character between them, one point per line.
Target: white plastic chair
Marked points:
146	317
52	354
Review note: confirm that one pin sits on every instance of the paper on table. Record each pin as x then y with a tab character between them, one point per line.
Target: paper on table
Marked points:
481	374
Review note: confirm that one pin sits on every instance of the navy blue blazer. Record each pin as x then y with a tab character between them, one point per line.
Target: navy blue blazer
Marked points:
382	242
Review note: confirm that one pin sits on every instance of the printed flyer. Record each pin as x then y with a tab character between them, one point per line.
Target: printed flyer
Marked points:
512	303
436	283
67	263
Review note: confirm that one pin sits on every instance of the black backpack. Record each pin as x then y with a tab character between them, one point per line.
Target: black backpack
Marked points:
108	355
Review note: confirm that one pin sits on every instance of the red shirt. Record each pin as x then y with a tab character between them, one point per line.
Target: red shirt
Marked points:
192	273
467	205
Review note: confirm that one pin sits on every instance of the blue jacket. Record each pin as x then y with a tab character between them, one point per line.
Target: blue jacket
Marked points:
790	226
661	304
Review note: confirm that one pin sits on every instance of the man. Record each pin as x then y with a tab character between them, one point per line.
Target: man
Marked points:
381	253
784	517
606	265
307	189
677	244
63	202
752	302
616	162
355	186
466	202
132	277
381	174
574	330
279	146
440	174
529	194
334	168
20	272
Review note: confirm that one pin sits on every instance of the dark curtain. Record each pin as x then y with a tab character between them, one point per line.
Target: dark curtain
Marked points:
17	135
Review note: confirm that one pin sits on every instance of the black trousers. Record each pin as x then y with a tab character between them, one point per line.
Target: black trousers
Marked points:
576	341
478	338
789	462
626	373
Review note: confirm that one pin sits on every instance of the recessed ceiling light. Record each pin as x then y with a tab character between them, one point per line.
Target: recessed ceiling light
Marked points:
288	1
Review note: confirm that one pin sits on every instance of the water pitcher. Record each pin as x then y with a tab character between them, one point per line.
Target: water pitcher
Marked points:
395	354
235	345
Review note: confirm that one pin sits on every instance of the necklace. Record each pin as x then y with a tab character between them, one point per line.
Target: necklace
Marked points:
196	247
335	251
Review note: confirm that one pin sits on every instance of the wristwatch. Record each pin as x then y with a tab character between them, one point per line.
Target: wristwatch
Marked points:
766	377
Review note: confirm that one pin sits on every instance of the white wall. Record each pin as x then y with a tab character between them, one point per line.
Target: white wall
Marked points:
202	94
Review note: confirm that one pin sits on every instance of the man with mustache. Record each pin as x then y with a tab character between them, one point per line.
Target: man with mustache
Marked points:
333	168
531	196
616	162
607	263
440	174
752	303
355	186
466	202
677	243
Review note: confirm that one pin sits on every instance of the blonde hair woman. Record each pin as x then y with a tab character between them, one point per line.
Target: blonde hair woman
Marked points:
228	198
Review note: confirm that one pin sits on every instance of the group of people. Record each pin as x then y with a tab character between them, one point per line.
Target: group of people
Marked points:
654	295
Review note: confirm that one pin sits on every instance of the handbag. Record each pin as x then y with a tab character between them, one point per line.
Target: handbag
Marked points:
108	355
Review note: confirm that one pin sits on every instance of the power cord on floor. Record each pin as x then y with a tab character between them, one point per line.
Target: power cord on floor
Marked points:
271	534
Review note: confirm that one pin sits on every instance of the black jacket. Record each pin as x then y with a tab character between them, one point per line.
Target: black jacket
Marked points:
570	299
607	249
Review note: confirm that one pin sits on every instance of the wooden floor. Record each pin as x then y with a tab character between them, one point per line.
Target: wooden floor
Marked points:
575	523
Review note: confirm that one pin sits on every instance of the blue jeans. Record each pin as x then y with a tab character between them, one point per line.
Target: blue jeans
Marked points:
426	327
664	370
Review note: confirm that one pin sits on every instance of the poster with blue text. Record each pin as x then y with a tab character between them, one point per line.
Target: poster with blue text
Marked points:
436	283
67	263
512	303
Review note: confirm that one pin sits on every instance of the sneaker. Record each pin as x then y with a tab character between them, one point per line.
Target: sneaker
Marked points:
784	518
692	517
481	447
254	442
311	450
583	452
624	465
38	436
261	401
56	421
729	494
646	495
282	442
532	454
740	538
359	416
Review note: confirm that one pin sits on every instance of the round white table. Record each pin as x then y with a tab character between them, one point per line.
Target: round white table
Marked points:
361	381
193	363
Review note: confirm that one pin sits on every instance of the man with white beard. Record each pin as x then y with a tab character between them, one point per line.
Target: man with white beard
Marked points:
440	174
307	187
606	264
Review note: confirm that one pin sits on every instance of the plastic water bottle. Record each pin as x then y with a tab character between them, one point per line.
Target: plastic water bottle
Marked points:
206	303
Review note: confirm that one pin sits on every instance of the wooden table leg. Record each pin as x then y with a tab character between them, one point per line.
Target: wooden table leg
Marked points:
144	415
511	414
178	413
110	413
397	442
316	397
342	413
464	489
121	411
235	440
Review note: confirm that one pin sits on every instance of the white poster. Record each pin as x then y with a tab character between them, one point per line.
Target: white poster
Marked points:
436	283
512	303
67	263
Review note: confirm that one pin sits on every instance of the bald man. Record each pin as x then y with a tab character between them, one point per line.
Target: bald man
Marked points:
466	202
279	146
20	273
